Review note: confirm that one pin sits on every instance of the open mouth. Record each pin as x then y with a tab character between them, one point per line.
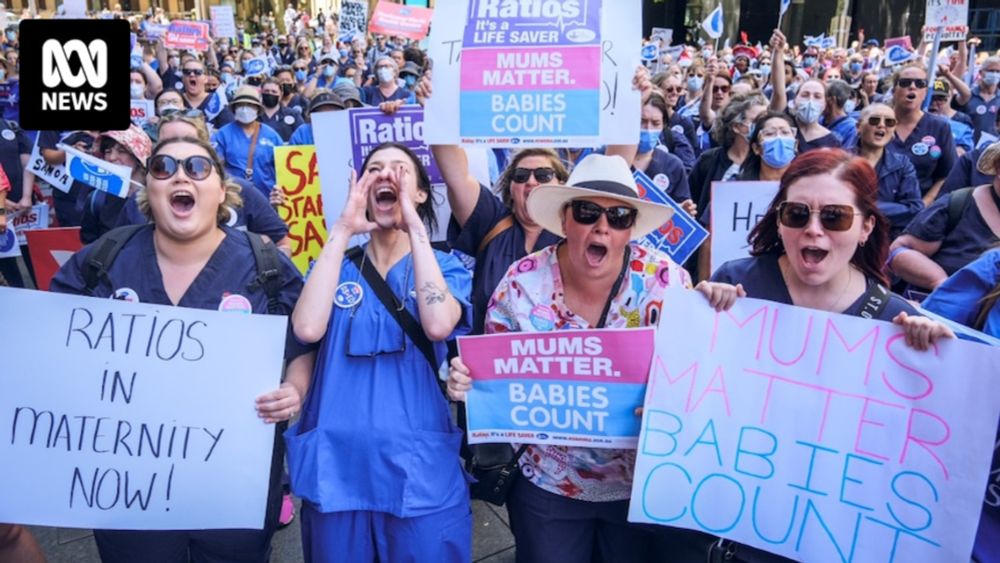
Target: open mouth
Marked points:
385	198
813	256
911	96
596	253
879	135
182	202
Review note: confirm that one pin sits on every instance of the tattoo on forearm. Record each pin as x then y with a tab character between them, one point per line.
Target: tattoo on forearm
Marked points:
433	294
422	236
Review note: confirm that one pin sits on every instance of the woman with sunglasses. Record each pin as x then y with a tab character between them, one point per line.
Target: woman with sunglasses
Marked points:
922	137
130	148
571	502
189	258
898	191
672	88
715	94
375	456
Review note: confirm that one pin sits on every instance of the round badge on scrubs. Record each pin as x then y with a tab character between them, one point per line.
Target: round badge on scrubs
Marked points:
662	181
928	140
235	303
677	129
289	120
919	149
7	134
7	240
935	152
126	294
348	294
981	110
178	85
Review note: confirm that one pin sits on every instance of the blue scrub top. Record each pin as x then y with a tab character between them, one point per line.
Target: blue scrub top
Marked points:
233	145
982	113
970	237
828	141
303	135
846	130
898	191
761	278
376	433
962	130
674	140
667	172
931	149
284	122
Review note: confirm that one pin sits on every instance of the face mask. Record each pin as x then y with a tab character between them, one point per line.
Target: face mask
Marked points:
695	82
258	51
410	80
175	61
11	36
808	112
855	67
246	114
136	91
809	61
850	106
287	89
384	74
778	152
706	53
329	71
648	139
226	77
344	53
168	108
300	75
211	90
991	78
269	100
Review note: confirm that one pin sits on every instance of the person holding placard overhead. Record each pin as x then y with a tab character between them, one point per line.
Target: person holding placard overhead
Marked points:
571	503
375	457
189	258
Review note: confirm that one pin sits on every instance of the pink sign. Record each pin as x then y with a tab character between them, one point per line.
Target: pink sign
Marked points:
187	35
400	21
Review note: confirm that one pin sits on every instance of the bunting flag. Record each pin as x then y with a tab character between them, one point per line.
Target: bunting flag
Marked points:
713	23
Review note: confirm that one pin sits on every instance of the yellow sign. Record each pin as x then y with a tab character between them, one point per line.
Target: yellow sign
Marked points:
303	209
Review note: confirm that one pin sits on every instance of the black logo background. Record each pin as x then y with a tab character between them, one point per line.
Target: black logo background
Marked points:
34	33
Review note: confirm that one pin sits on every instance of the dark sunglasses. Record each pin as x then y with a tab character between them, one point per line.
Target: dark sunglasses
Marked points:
543	175
193	72
877	120
722	88
620	217
907	82
164	166
673	89
298	68
796	215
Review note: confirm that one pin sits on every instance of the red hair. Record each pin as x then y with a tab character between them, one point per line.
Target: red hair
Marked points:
860	177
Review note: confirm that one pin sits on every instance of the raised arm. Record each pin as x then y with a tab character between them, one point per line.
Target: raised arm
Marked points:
779	99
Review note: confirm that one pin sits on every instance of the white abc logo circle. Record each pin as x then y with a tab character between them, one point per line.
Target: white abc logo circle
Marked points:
93	63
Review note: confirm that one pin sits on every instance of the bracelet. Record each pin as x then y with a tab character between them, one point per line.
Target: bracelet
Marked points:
892	256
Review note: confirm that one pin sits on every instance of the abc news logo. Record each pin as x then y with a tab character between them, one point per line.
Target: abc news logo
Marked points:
75	75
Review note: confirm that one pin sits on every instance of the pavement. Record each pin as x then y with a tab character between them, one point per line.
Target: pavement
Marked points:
492	541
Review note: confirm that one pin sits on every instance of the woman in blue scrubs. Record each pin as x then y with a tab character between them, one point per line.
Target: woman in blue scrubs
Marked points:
189	258
375	456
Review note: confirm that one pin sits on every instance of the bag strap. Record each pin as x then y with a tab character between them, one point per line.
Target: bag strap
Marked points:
876	299
406	321
501	226
103	254
248	172
268	270
957	203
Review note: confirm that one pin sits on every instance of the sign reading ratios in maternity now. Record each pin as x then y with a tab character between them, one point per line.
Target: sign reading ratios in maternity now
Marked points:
527	67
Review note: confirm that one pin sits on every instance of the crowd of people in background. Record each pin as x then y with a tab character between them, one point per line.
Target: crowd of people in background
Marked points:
888	185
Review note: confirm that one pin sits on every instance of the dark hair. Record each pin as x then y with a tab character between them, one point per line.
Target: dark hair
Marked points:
659	102
853	171
425	209
838	91
751	165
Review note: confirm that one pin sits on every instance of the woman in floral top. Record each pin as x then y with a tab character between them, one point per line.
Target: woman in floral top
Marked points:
573	502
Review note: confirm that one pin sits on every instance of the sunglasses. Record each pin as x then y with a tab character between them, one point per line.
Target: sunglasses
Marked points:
673	90
833	217
619	217
723	89
907	82
193	72
877	120
298	68
164	166
543	175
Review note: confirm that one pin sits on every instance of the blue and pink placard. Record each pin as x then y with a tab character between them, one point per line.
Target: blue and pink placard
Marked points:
531	73
568	388
679	237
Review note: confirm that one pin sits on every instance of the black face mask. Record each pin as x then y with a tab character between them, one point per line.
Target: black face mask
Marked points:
210	90
287	89
269	100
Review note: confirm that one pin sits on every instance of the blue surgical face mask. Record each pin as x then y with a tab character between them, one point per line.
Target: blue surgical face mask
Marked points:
695	82
855	67
345	52
410	80
11	36
648	139
778	152
991	78
850	106
808	112
329	71
300	75
809	61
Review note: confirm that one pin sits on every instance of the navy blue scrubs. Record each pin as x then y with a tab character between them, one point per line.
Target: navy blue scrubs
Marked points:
982	113
285	121
828	141
931	149
69	206
667	172
965	173
505	249
230	270
898	191
963	244
846	130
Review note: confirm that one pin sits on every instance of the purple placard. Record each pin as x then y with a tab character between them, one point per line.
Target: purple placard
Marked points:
492	23
371	127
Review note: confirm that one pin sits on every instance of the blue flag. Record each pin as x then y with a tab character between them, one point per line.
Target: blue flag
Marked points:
713	23
216	104
784	6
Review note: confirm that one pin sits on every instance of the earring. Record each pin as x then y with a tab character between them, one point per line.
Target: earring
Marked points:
862	243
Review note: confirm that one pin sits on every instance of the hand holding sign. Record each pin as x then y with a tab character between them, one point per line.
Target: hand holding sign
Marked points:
459	379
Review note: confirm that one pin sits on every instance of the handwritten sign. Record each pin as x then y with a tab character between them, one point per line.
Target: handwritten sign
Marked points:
56	175
400	21
567	388
187	35
142	110
816	436
526	72
353	17
298	177
223	22
952	15
30	219
100	415
679	237
736	208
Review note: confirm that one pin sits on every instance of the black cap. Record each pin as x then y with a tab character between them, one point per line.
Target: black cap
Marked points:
325	99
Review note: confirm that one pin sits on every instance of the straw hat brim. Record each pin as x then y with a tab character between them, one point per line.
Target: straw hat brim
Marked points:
546	202
987	163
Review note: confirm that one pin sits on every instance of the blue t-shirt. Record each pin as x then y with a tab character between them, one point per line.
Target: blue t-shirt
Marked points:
505	249
965	173
303	135
233	145
931	149
846	130
761	278
970	237
376	433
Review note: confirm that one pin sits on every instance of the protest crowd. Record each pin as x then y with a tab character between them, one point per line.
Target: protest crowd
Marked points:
879	162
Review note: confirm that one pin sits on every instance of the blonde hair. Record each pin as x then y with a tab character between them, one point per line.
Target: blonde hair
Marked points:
502	187
197	122
232	200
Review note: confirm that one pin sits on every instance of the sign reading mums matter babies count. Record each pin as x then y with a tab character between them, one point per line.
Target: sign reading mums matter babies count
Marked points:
568	388
132	416
819	437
